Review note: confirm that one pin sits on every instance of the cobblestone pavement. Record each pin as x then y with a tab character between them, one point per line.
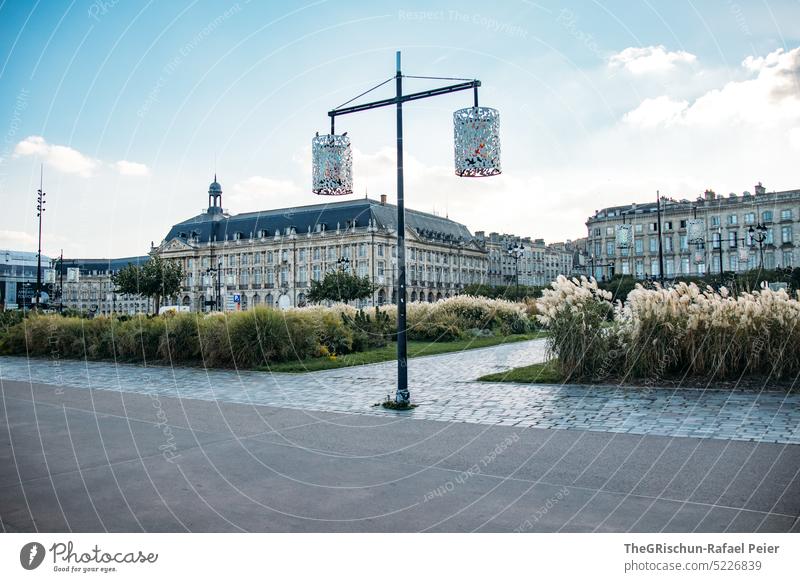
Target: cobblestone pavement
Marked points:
444	386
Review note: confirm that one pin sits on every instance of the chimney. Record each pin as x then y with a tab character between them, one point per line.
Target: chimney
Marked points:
710	195
383	199
760	189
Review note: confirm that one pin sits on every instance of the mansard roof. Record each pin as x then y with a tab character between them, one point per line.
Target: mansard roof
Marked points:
103	265
343	213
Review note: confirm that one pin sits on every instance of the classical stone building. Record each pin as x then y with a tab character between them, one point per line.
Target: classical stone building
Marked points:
87	286
726	233
270	257
538	264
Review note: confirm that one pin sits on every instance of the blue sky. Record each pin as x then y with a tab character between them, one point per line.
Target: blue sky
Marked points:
128	104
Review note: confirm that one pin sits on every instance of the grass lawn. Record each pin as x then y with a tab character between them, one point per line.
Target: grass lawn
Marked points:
415	349
544	373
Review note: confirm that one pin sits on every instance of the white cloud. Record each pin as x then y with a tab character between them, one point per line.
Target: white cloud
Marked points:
794	137
657	111
17	240
649	59
772	98
62	158
261	192
126	168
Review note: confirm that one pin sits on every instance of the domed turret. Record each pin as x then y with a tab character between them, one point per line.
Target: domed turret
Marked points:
214	197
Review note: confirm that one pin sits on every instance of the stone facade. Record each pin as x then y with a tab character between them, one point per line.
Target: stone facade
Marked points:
538	265
88	287
726	224
271	257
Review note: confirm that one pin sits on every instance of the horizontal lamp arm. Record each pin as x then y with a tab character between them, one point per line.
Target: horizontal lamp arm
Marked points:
410	97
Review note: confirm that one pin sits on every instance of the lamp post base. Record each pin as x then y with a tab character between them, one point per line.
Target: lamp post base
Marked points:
402	397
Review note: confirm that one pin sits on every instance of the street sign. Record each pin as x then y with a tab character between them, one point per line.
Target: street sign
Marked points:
233	302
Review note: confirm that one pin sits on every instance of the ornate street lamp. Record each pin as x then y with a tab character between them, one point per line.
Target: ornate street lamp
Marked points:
624	235
477	142
759	235
332	172
695	230
744	253
477	154
516	253
696	235
343	264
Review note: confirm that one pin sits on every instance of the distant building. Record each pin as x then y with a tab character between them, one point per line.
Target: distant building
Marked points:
726	223
538	264
88	287
270	257
18	279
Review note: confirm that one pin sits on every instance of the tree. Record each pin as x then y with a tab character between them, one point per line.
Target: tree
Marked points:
340	286
157	278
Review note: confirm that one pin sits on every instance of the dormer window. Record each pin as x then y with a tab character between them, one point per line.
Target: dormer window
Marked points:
237	236
262	233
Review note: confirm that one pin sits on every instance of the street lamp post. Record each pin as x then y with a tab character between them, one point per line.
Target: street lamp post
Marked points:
660	240
477	154
343	264
40	201
759	234
516	253
214	273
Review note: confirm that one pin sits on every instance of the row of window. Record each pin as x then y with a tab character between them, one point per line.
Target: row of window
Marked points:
331	253
732	220
734	239
430	274
733	263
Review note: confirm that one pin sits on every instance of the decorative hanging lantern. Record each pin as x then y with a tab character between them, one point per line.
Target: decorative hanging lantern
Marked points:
624	235
699	257
695	230
477	142
744	254
332	173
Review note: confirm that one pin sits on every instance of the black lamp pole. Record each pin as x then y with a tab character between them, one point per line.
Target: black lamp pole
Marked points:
660	242
402	395
39	211
61	282
516	252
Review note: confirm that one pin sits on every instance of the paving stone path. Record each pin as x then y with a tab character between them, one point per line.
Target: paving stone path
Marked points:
444	386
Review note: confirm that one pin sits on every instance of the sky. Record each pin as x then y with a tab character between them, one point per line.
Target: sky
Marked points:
132	106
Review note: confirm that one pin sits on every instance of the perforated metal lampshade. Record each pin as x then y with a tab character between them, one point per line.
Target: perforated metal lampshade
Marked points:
477	142
624	232
332	173
695	230
744	254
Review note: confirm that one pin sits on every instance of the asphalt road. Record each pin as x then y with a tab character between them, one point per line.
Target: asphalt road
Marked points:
94	460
